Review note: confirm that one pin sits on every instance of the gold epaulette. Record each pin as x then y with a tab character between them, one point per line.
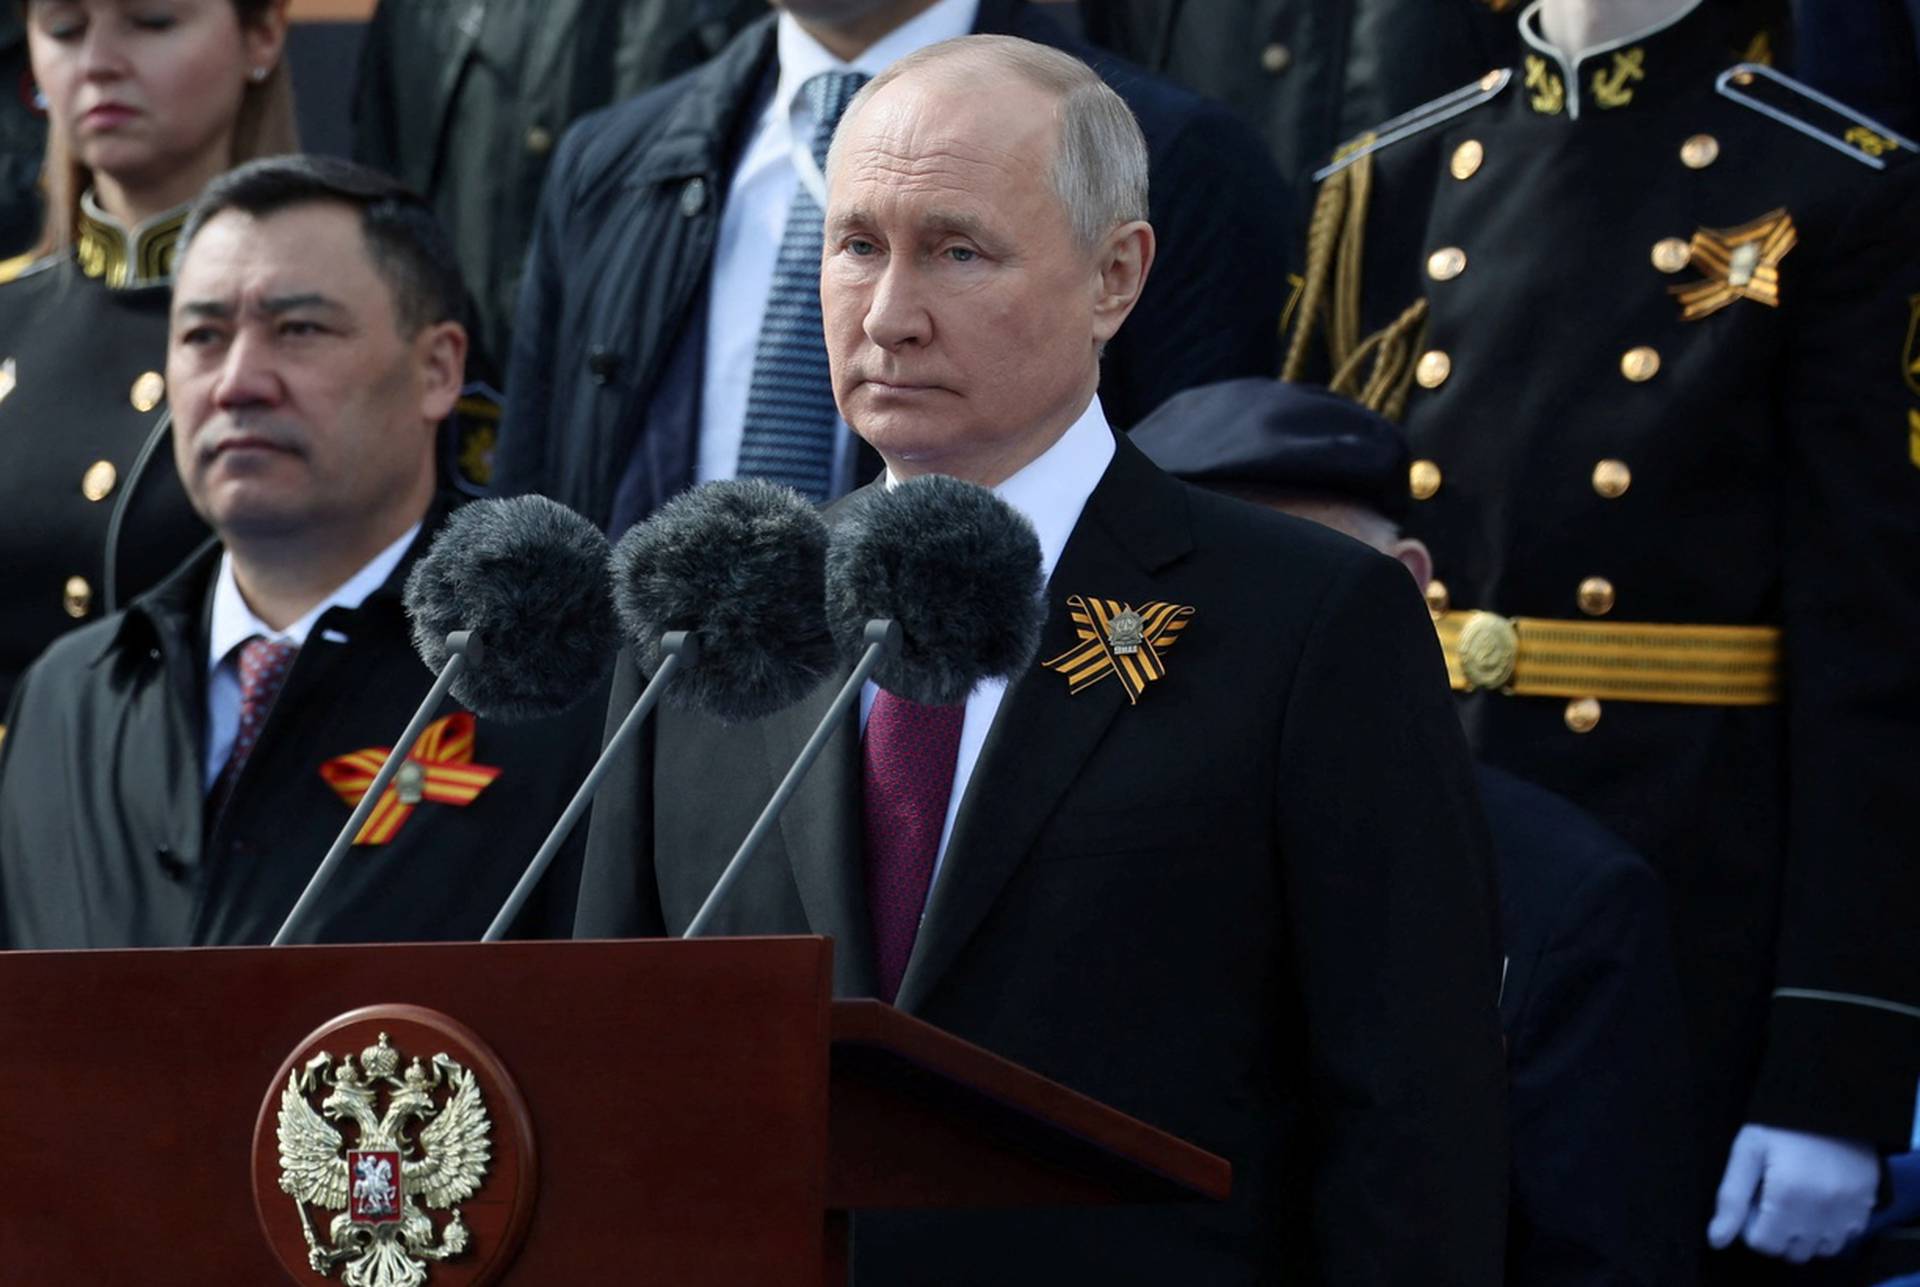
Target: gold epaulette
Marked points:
1417	121
15	267
1806	110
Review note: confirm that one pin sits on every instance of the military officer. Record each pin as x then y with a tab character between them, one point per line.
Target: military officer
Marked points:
1651	319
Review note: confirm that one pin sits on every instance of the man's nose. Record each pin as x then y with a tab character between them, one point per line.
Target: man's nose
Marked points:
896	314
248	376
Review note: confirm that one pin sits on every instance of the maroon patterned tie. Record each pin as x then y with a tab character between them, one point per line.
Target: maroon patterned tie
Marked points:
264	664
908	759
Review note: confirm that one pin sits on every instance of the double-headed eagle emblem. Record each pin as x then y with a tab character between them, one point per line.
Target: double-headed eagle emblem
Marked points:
431	1145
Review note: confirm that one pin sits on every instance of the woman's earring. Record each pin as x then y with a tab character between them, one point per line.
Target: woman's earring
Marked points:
257	75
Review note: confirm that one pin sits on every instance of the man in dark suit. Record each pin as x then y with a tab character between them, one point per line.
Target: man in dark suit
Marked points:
1589	997
644	336
174	772
1248	901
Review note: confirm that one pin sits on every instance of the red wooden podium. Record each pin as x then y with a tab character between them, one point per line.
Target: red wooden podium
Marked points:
672	1112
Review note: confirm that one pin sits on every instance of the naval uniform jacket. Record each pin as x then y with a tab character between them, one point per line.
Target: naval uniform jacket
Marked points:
1590	454
616	280
1253	909
103	842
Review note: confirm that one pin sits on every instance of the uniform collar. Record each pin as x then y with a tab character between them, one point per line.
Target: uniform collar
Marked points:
1640	69
106	249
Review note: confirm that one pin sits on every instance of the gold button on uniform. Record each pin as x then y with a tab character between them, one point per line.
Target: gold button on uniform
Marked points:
1583	714
1466	159
1438	599
1446	264
97	483
147	391
1423	479
1640	364
1276	58
1435	366
1670	254
1595	596
1700	151
78	598
1611	478
539	140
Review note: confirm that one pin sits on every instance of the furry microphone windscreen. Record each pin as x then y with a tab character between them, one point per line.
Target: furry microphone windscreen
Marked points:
742	562
955	566
529	576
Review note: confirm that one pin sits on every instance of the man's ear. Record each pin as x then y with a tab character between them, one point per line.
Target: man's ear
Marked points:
440	355
1124	258
1415	557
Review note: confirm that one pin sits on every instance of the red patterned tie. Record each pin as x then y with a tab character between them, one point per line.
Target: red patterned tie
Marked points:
264	664
908	758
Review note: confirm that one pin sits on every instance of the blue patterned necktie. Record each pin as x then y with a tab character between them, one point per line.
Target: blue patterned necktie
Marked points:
791	418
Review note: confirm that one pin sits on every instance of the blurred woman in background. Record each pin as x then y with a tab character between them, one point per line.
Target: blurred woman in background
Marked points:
146	101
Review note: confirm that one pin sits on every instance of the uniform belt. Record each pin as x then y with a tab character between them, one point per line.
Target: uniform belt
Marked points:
1619	660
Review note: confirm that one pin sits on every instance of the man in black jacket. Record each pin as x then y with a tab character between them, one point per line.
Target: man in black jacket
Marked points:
642	314
173	773
1248	900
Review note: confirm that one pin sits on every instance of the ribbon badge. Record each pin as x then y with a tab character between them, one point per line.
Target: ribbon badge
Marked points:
1738	263
1115	639
440	768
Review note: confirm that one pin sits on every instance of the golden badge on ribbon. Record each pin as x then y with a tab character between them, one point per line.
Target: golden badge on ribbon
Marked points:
1116	639
440	768
1738	263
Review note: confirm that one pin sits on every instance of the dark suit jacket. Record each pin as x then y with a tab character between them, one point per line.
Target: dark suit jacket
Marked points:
623	249
1603	1184
1255	909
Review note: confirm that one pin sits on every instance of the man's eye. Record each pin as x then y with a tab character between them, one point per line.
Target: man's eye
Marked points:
295	327
861	246
199	335
962	254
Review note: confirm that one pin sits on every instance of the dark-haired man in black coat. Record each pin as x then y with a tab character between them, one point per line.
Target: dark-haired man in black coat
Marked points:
646	287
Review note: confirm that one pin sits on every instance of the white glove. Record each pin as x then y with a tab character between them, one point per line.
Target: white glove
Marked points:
1795	1196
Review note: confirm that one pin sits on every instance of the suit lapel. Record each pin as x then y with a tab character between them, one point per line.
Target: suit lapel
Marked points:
466	34
1135	523
821	831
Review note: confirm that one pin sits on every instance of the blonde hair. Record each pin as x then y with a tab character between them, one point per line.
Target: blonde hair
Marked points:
264	126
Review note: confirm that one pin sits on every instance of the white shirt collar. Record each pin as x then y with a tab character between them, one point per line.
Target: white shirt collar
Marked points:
802	58
234	622
1052	489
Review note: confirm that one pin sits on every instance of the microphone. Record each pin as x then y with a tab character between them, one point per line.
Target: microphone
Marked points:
932	585
719	595
510	606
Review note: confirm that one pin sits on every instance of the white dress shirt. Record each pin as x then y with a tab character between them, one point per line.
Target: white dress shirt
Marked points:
776	160
1051	491
234	623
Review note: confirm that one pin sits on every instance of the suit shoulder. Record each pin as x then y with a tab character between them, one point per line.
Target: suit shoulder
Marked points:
1239	526
1822	123
1556	858
1421	119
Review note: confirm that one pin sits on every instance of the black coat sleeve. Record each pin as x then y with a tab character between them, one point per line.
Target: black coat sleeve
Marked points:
1603	1195
619	897
1389	890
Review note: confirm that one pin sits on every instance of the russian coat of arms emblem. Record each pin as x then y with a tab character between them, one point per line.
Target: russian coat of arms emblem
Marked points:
382	1170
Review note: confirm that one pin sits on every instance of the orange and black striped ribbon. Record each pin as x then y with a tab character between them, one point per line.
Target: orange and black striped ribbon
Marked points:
1712	253
444	752
1093	658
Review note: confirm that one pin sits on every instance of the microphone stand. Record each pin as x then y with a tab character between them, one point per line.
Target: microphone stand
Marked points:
464	649
682	648
882	639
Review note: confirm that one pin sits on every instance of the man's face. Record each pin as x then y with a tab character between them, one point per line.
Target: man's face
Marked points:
299	407
959	307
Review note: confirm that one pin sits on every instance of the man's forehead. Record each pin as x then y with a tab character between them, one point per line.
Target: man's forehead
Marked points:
313	247
926	125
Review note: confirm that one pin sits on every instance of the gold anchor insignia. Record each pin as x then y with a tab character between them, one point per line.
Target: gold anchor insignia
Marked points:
1549	94
1737	263
1872	142
1118	639
1610	88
